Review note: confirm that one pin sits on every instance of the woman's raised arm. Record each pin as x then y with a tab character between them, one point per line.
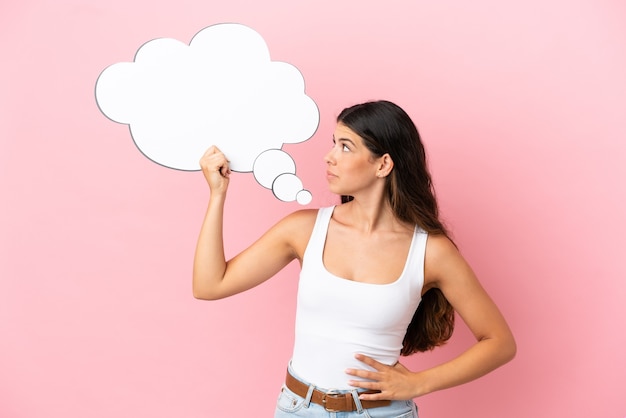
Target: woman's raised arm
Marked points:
213	276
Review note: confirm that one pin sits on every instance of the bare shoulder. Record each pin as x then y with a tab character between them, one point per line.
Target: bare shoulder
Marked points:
440	247
300	219
296	228
442	261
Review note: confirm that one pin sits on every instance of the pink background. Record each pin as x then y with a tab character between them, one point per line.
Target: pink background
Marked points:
522	107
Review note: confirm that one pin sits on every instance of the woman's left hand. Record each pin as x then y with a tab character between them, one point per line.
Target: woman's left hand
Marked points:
393	382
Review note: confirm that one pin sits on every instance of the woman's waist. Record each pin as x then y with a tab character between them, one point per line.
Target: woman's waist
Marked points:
324	365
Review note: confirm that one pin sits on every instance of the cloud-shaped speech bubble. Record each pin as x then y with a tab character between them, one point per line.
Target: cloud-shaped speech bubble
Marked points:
222	89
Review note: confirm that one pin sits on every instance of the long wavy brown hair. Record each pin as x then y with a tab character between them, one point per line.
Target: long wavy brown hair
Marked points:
387	128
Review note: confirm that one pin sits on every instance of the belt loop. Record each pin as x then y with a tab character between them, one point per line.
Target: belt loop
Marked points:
357	401
309	394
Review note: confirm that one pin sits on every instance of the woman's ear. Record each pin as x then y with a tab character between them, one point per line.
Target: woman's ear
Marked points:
385	165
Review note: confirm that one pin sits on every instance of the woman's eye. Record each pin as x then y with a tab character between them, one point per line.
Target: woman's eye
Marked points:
345	148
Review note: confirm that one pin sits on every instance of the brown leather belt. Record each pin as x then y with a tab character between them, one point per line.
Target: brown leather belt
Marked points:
332	402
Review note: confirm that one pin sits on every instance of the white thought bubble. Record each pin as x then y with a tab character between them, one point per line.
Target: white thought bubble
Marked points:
222	89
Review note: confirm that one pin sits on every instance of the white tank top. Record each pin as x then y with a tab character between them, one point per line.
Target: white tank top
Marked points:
337	318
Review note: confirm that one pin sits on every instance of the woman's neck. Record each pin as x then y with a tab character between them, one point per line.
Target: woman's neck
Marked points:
369	216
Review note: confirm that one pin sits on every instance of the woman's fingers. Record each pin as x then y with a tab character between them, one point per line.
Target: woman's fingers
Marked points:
216	168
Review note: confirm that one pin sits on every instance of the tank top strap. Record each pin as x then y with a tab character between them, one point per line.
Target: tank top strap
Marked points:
315	248
415	261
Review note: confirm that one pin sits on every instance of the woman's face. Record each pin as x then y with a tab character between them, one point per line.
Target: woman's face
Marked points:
351	167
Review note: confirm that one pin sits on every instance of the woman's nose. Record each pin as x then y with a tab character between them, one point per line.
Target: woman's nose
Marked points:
328	158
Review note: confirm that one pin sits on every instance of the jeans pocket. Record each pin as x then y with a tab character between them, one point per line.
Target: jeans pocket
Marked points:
397	409
289	402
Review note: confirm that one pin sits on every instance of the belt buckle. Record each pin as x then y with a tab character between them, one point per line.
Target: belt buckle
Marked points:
333	395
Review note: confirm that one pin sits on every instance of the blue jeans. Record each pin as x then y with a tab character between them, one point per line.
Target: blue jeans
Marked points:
290	405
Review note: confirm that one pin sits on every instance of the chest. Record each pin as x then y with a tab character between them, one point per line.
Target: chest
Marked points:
378	258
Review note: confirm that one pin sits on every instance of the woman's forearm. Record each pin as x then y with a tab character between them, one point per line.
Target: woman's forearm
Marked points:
483	357
209	263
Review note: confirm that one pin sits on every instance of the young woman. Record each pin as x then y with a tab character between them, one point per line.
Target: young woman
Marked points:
380	277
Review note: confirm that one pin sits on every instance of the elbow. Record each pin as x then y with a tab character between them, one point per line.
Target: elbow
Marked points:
511	350
206	286
503	349
507	350
200	295
203	294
